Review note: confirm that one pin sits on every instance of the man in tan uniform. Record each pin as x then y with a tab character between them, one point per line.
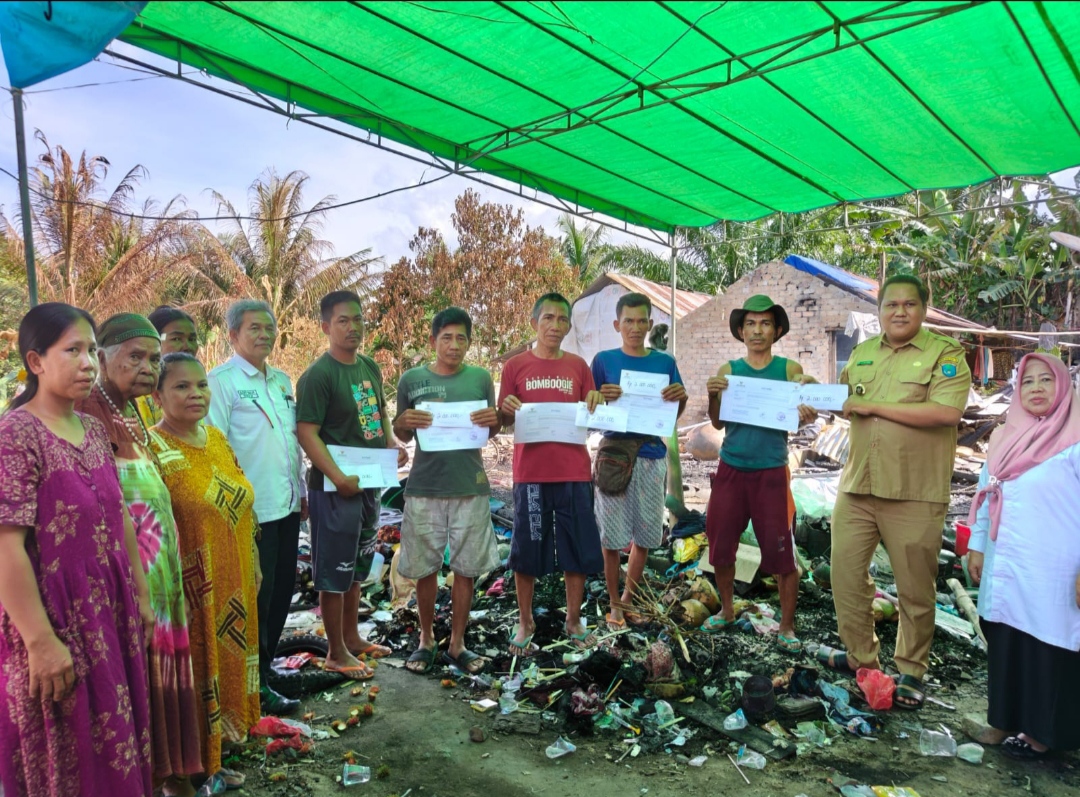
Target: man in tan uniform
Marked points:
909	388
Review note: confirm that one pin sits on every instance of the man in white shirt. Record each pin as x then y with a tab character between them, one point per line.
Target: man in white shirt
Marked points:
253	404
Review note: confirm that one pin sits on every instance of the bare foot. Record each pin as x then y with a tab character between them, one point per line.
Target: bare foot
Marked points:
521	642
178	787
349	666
580	636
1038	747
362	647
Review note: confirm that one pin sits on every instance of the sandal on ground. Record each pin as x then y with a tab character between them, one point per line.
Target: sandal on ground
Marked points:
373	651
215	784
465	660
1015	747
233	779
635	619
715	624
524	648
426	656
359	672
909	688
613	624
789	644
835	659
583	641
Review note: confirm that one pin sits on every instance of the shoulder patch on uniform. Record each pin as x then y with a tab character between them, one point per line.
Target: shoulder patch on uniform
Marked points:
949	365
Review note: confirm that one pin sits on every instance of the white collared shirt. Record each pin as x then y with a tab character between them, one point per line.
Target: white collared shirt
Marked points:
258	415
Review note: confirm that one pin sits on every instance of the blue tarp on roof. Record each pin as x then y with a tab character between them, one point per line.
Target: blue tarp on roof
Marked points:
845	279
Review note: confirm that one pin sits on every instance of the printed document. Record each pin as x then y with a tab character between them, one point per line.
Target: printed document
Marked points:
375	467
606	417
451	429
548	422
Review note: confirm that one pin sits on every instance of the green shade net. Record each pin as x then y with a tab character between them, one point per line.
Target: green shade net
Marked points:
669	114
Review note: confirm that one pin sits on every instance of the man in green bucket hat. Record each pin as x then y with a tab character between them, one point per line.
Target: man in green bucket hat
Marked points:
752	480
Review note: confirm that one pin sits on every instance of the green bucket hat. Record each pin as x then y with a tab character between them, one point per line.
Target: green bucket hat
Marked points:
125	326
759	304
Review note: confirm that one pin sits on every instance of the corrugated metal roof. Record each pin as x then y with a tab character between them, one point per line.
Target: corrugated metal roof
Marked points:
686	302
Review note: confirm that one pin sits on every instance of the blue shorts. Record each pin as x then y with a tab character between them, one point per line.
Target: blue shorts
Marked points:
555	530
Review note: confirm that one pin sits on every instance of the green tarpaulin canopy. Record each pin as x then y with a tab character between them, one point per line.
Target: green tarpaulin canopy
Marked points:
668	114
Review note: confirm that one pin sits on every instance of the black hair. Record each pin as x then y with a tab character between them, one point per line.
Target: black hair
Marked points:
632	300
554	298
448	317
39	330
164	315
333	299
171	359
905	279
658	337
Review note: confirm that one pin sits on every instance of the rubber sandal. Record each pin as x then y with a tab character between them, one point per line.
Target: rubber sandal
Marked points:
463	660
524	648
789	644
635	619
715	624
373	651
582	641
613	624
427	656
910	688
1015	747
360	672
834	659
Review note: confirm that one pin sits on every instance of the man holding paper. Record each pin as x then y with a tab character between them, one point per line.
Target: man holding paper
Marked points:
446	497
630	511
554	524
752	482
340	403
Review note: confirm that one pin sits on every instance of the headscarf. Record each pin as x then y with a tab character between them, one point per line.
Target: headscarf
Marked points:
1027	440
125	326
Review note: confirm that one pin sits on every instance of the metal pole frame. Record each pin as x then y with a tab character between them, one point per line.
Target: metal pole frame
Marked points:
672	347
24	196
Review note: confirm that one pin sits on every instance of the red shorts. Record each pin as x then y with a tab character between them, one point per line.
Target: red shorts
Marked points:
762	497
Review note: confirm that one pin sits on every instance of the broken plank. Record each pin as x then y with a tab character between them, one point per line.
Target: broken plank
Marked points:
751	736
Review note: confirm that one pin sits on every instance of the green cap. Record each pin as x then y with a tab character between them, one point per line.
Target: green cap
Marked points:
125	326
759	304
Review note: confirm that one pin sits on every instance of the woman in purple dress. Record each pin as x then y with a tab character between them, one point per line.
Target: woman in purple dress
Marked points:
74	606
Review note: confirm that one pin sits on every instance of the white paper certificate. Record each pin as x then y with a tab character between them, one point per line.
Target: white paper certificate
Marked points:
375	467
451	413
548	422
607	417
642	383
761	402
823	397
649	414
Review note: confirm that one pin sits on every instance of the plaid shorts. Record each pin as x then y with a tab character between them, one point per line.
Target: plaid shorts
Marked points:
636	516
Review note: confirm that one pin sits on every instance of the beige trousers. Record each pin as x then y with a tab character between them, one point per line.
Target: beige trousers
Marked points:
911	533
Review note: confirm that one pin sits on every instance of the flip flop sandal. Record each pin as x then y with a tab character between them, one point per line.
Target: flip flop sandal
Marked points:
524	648
425	655
714	625
233	779
834	659
635	619
581	641
613	624
1015	747
463	660
373	651
360	672
789	644
910	688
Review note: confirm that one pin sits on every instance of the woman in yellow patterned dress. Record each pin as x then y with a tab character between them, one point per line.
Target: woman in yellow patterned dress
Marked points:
212	503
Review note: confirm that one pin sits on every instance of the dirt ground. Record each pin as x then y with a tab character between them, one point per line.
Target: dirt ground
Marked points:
418	739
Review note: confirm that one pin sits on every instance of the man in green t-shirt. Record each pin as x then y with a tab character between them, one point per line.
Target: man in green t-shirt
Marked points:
446	498
752	482
340	402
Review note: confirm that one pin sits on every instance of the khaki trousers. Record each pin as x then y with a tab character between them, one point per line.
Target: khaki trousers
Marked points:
911	533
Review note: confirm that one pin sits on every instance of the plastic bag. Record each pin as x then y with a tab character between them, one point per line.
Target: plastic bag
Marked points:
877	687
688	548
275	726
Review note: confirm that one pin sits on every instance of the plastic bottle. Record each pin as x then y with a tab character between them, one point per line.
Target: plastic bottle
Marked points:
354	775
750	759
664	712
935	743
735	722
971	752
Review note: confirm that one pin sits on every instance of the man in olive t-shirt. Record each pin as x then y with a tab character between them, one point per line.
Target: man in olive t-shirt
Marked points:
340	402
446	498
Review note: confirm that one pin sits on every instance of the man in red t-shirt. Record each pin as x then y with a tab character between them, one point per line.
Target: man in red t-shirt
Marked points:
554	525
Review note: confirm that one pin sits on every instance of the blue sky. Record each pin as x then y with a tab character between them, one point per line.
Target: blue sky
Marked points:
190	139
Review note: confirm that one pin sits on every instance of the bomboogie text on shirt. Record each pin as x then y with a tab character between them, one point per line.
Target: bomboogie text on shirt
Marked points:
561	384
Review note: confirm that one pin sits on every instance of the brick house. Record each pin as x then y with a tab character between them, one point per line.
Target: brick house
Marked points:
819	300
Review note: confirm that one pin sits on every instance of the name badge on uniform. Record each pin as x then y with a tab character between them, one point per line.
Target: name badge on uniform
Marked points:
948	366
248	394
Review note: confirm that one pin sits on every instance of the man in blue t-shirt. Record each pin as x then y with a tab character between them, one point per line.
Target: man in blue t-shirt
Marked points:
636	516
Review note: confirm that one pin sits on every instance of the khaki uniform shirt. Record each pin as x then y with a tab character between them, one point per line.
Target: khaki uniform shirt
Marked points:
893	460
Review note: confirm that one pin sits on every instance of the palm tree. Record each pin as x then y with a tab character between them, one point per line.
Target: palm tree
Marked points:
584	247
280	255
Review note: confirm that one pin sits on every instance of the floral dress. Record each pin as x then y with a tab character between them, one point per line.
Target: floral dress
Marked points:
212	502
97	740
